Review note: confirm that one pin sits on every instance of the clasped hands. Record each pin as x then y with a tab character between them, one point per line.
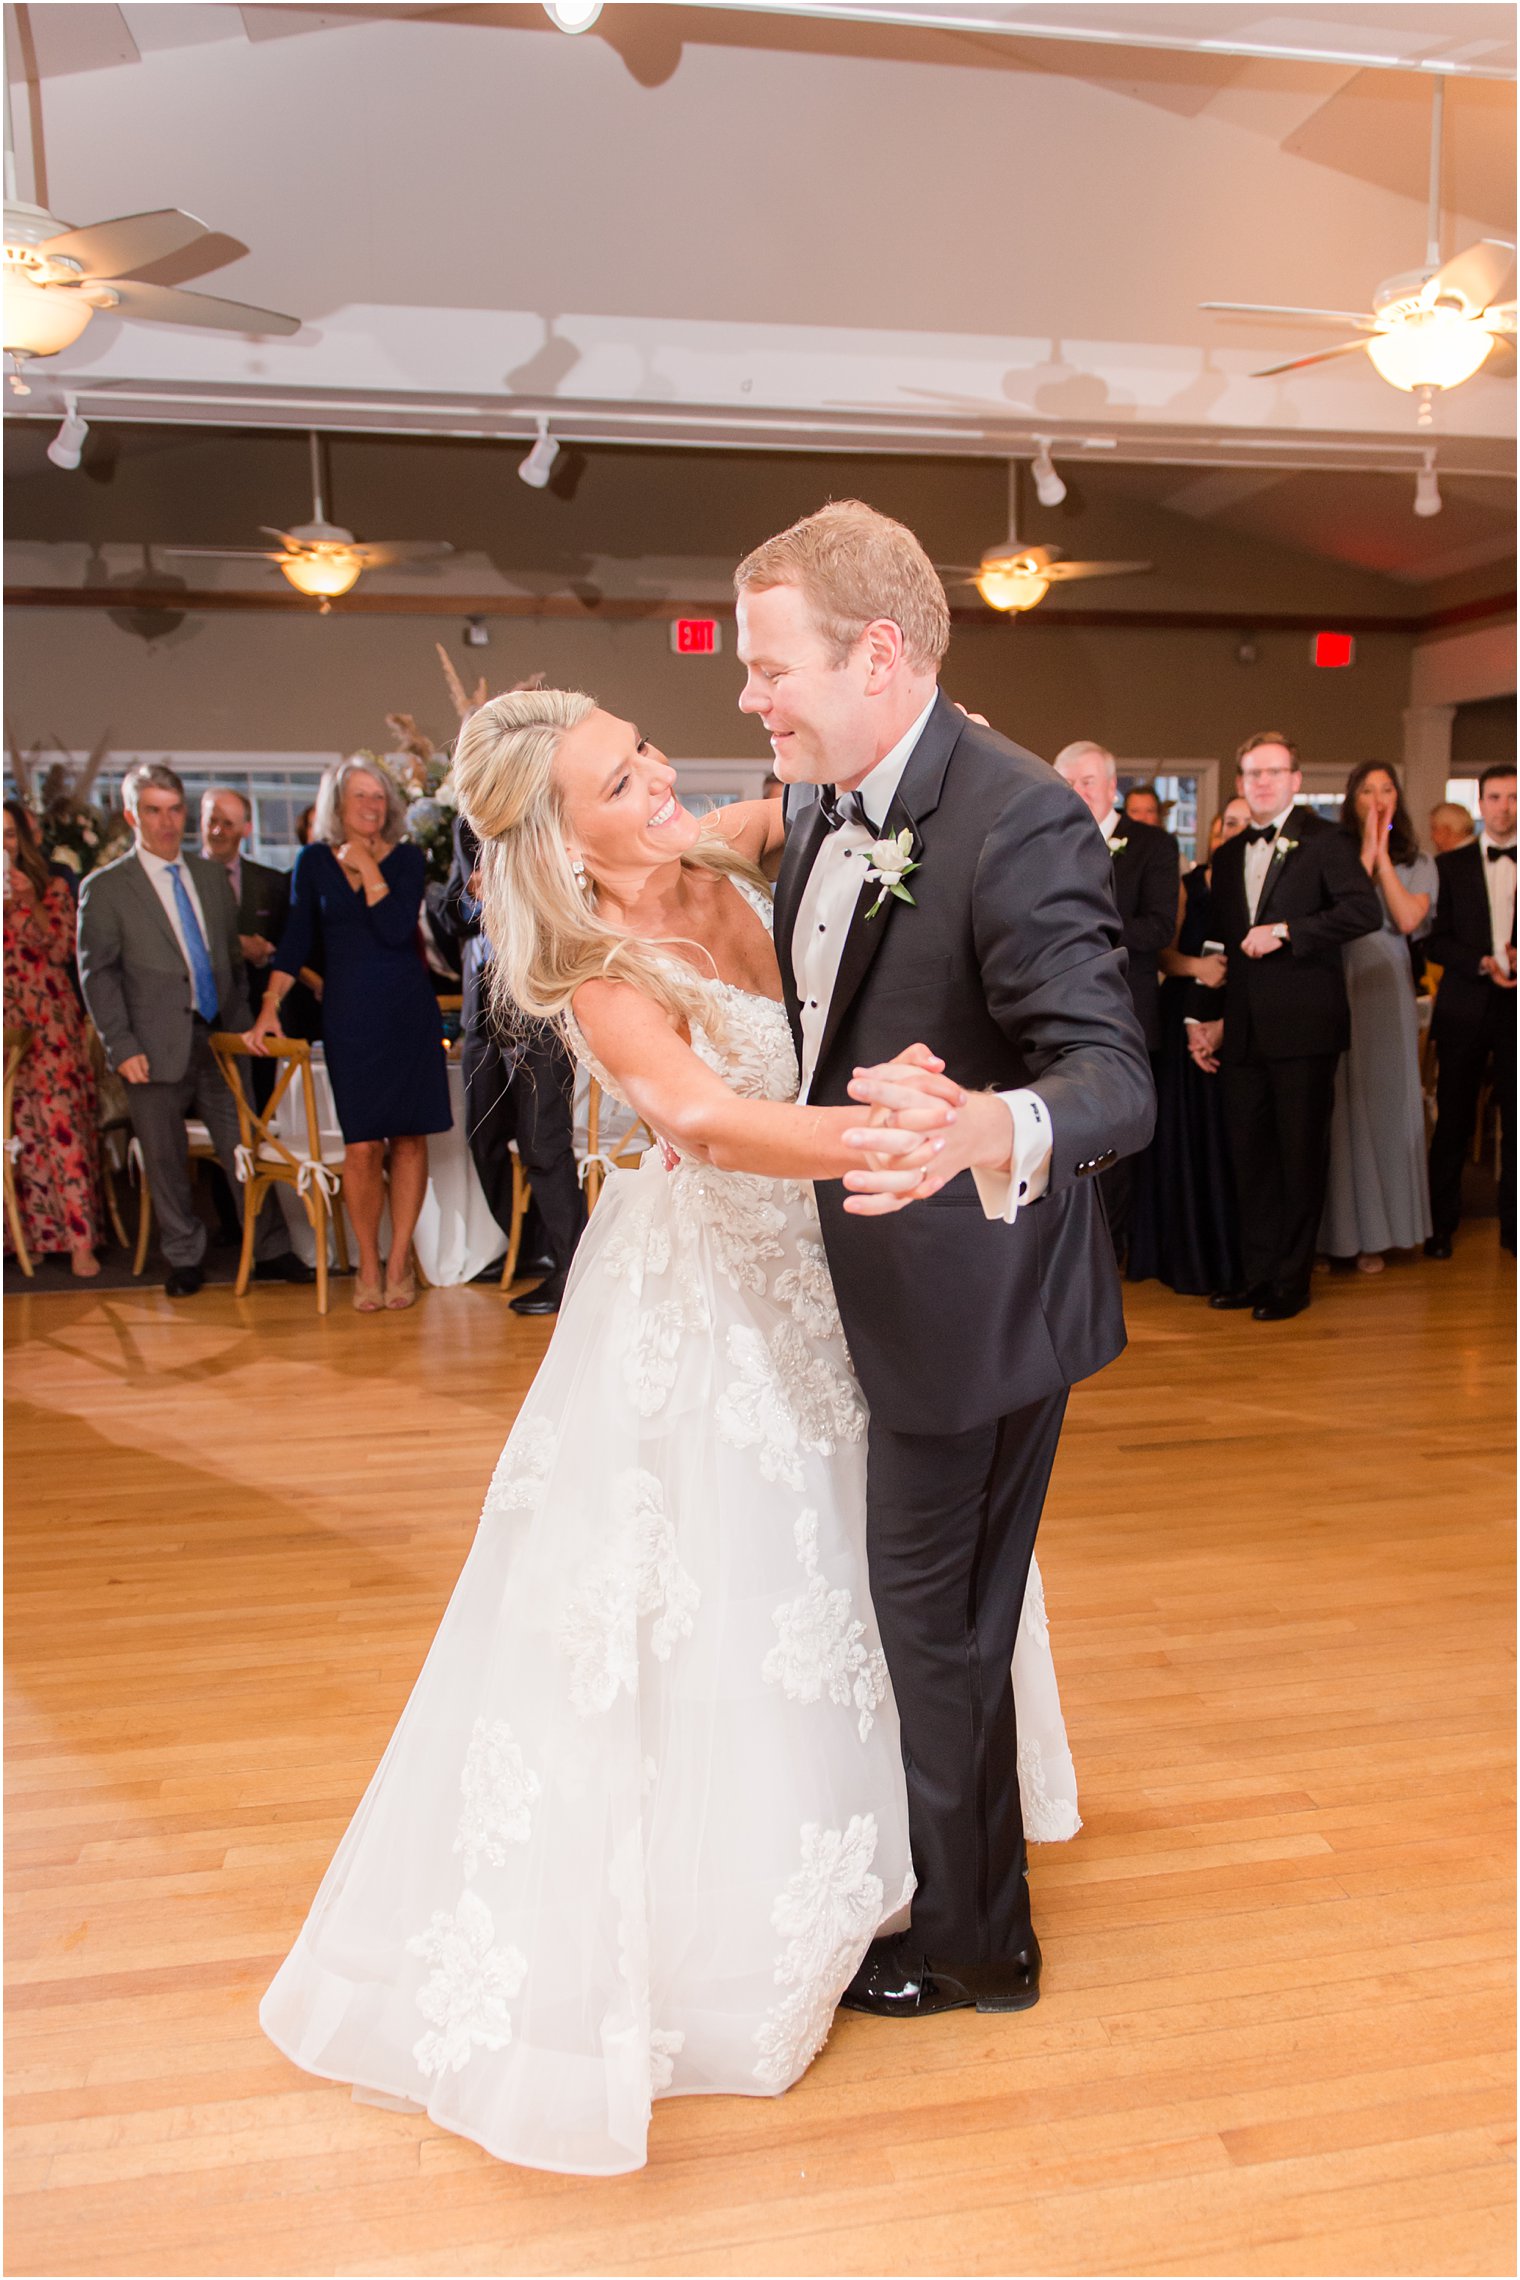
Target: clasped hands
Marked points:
922	1130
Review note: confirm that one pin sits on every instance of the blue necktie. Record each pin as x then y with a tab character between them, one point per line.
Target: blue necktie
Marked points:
207	998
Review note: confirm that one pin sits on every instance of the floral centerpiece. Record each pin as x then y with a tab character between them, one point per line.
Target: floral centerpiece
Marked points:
74	829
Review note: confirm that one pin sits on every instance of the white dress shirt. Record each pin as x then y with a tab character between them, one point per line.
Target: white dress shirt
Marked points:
1109	826
163	886
818	938
1259	860
1499	878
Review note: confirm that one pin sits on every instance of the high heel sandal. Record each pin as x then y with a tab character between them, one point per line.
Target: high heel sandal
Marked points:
402	1294
368	1297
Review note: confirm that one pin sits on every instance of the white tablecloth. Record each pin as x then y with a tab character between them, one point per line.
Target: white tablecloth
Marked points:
456	1235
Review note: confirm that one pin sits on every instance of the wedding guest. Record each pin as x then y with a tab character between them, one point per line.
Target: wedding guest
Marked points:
1145	870
1451	826
1184	1223
1287	892
1472	940
1142	804
356	892
1378	1197
57	1185
304	823
262	896
516	1089
162	970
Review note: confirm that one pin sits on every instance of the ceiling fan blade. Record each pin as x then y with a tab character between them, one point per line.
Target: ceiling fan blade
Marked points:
112	249
1301	363
290	545
1061	572
1499	316
222	553
167	305
1480	274
1308	316
378	553
1014	555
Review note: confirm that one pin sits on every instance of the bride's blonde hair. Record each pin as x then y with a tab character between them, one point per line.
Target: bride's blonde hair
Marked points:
538	916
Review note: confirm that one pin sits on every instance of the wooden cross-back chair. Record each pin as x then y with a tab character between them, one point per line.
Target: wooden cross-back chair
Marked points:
593	1163
266	1159
17	1046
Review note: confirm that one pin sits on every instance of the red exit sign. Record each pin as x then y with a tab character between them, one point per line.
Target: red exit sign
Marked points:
1333	649
696	637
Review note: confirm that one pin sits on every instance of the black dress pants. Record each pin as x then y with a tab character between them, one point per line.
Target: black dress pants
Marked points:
950	1530
1467	1051
525	1095
1277	1115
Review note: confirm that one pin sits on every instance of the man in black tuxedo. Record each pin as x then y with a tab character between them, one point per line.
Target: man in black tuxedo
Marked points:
1146	870
515	1089
1287	892
1473	942
262	896
969	1315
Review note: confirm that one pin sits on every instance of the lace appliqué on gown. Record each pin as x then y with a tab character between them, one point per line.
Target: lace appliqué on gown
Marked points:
826	1914
499	1794
472	1982
821	1646
639	1575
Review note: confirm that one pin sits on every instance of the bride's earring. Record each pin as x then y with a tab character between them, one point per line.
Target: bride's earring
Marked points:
582	877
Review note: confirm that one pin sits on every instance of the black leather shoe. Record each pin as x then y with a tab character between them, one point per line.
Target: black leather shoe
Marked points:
1438	1246
1280	1306
895	1982
1229	1301
285	1268
545	1300
184	1282
544	1264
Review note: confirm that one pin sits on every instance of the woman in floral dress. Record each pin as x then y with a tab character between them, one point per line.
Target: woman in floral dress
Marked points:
57	1182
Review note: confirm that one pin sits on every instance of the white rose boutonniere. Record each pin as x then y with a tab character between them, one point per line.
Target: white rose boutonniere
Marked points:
1283	847
1117	846
888	863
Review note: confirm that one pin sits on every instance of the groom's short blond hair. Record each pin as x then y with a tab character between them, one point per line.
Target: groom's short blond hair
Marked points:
853	566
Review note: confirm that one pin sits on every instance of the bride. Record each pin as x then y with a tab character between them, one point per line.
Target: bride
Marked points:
645	1809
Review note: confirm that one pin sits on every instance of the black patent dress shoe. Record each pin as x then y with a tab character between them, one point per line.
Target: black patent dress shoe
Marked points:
285	1268
543	1264
1230	1301
1438	1246
1280	1306
184	1282
896	1982
544	1300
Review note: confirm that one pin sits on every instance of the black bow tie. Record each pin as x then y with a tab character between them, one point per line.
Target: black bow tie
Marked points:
841	808
1255	832
1500	854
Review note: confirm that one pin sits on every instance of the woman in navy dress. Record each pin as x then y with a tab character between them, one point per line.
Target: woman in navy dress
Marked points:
356	893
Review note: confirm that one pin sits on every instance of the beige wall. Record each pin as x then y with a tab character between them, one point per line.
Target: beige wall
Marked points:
303	683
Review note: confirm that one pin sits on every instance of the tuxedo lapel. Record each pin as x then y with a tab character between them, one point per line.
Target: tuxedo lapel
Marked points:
803	840
1278	862
917	797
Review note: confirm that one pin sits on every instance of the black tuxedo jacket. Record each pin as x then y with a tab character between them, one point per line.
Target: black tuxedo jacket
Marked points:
1293	1003
462	915
264	903
1147	874
1008	962
1459	940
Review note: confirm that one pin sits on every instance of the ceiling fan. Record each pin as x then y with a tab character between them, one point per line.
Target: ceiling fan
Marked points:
321	558
56	278
1012	576
1428	328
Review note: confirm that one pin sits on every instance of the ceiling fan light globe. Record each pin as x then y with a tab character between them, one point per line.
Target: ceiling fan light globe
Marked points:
40	320
1005	588
323	575
1432	348
573	15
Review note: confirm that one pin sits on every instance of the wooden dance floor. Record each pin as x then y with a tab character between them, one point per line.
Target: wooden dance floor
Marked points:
1277	2032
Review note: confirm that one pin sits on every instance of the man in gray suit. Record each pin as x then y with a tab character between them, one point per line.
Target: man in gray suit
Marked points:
161	969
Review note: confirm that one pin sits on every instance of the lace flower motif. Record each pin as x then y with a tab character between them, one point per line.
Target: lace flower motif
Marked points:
499	1793
738	1214
638	1574
653	1357
522	1471
827	1914
467	1994
808	1290
639	1248
785	1399
1047	1820
821	1645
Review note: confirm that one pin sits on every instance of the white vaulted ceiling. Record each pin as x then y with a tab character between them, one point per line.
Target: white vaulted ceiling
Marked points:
943	233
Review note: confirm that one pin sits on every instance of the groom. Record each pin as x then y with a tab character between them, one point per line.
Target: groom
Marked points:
969	1317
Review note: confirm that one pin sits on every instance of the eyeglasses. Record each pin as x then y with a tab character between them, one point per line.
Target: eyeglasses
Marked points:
1264	775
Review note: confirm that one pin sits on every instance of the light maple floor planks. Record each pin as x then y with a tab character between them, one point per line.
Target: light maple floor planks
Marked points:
1277	2033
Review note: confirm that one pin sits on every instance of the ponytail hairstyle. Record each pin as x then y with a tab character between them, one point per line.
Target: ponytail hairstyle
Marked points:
538	915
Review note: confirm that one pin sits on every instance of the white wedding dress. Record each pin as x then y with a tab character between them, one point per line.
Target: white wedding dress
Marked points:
645	1808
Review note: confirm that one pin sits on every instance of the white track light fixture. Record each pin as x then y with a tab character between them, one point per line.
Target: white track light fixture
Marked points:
1048	487
67	445
573	15
539	464
1427	491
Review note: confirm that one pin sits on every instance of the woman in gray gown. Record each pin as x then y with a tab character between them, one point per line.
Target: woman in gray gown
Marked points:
1378	1198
